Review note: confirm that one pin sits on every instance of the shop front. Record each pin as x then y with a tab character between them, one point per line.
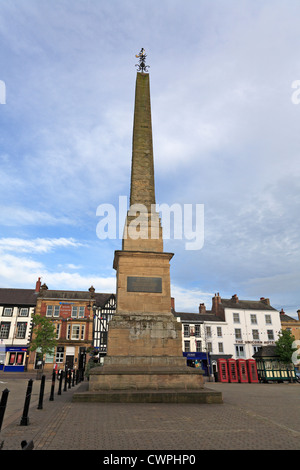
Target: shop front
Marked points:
198	359
14	359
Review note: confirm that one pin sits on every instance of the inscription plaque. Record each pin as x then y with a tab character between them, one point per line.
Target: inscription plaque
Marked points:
144	284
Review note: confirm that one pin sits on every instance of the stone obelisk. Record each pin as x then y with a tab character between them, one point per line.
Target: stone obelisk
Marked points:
144	359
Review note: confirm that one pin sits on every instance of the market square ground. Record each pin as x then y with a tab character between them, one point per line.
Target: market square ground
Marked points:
252	417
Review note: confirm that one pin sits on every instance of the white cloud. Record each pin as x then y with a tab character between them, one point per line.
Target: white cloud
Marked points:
22	272
188	300
18	216
38	245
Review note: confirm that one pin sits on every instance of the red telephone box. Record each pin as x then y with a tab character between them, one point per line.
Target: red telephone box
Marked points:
252	370
222	370
242	370
232	370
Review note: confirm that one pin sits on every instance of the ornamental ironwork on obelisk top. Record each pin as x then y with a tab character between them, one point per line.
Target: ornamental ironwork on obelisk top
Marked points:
141	66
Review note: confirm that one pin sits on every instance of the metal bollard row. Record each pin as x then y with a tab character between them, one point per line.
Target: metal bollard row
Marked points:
71	378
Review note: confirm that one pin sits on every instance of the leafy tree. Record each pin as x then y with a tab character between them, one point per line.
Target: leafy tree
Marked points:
284	346
43	336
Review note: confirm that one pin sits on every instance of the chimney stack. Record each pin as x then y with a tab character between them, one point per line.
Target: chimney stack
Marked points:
235	298
172	304
92	291
202	308
216	301
298	311
282	312
38	285
265	301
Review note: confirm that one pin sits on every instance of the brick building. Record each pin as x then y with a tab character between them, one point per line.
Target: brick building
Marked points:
291	324
73	315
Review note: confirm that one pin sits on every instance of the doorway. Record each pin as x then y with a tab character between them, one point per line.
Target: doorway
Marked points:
69	362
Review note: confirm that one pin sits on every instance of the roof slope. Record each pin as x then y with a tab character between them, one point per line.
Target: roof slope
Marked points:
29	296
197	317
246	304
18	296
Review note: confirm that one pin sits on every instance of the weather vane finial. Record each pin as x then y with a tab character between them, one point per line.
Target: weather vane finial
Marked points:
142	67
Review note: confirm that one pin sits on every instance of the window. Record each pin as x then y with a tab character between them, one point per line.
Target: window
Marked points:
56	311
209	347
76	332
219	331
52	310
220	347
198	346
239	351
23	312
197	330
49	357
186	330
59	358
236	318
255	334
208	332
21	330
253	319
268	319
57	332
270	334
77	312
82	331
49	311
15	358
186	346
238	333
7	312
4	330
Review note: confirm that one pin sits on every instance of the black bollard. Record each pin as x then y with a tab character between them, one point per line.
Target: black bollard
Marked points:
51	398
25	419
73	380
69	379
27	445
66	378
3	403
61	374
41	397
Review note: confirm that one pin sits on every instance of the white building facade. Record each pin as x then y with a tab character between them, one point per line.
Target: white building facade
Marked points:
251	324
232	329
17	307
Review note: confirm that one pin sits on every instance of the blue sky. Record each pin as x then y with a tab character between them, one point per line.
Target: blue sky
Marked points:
225	133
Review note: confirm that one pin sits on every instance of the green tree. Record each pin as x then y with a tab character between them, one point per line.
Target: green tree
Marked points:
284	346
43	337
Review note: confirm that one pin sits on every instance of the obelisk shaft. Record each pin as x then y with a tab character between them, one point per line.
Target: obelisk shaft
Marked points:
143	268
143	230
142	168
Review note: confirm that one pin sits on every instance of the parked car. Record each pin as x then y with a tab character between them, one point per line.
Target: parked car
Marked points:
297	372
